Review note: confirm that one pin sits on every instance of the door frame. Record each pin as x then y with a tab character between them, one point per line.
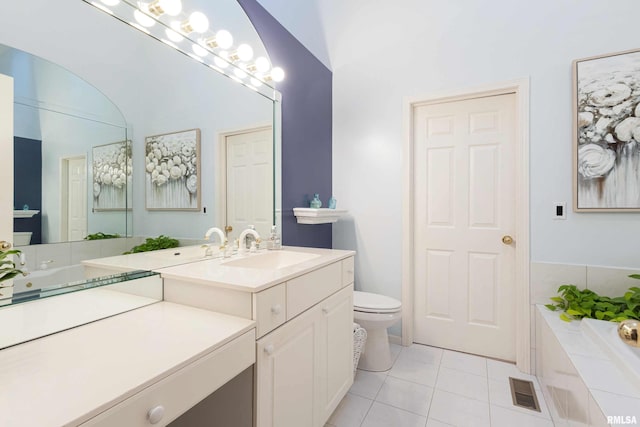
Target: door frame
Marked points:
520	88
222	169
64	193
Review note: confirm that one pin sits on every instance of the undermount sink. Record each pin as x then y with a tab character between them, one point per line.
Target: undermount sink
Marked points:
271	260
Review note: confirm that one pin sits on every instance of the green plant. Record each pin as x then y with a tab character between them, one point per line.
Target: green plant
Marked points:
8	268
154	244
100	235
578	303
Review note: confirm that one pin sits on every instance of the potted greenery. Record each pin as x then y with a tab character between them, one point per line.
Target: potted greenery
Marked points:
8	271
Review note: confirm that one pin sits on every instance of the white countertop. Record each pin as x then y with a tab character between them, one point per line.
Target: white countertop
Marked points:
71	376
214	272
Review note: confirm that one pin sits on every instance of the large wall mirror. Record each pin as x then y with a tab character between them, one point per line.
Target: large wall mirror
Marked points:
90	90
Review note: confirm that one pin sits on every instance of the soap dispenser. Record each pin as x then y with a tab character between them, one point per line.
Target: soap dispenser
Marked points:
274	242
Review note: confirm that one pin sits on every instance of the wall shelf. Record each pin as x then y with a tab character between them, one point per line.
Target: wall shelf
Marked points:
23	213
318	216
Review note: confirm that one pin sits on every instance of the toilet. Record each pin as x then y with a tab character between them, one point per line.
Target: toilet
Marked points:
375	313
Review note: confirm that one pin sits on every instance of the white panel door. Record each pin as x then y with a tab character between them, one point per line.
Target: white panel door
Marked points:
6	145
464	207
250	181
77	199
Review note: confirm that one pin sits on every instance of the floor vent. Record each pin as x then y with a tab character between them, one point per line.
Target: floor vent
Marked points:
523	394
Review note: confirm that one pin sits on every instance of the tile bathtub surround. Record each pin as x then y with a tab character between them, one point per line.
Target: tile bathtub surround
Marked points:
578	373
432	387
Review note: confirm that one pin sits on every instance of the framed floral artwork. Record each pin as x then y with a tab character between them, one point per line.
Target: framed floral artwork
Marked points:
172	171
111	170
606	123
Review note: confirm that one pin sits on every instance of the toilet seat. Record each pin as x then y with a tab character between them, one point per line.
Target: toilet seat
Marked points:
367	302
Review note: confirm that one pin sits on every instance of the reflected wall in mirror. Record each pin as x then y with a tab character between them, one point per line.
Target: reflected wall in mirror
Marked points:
160	91
58	117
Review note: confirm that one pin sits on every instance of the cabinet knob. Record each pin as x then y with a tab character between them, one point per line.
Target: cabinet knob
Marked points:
269	349
155	414
349	271
325	310
276	309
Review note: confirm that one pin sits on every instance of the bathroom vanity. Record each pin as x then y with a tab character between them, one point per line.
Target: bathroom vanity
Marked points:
287	313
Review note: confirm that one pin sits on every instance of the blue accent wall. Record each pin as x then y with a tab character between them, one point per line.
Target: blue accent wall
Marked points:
27	184
306	126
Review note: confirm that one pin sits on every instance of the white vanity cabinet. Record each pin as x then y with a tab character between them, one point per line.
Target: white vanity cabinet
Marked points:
305	367
304	329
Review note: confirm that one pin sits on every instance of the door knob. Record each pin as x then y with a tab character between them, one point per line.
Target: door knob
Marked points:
507	240
228	229
5	245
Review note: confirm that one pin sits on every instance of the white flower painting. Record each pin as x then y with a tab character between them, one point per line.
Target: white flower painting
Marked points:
172	171
607	132
111	169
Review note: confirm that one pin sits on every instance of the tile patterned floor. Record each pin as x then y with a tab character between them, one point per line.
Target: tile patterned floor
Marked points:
432	387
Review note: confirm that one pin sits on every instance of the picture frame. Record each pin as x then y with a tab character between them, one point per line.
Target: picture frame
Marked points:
606	132
172	171
111	168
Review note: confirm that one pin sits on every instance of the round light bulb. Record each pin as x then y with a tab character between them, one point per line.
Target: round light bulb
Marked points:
245	52
224	39
110	2
277	74
239	73
144	20
199	50
220	59
262	64
171	7
199	22
173	35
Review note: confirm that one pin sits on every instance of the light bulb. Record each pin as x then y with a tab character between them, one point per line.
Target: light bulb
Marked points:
224	39
245	52
199	50
197	22
262	64
173	35
170	7
220	59
110	2
143	19
277	74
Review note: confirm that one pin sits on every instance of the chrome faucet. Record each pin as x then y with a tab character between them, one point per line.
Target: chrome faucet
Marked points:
221	236
251	231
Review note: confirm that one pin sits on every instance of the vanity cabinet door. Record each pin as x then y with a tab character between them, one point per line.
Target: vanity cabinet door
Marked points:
286	382
336	332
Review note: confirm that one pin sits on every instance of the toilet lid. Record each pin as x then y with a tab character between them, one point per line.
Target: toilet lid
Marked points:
374	303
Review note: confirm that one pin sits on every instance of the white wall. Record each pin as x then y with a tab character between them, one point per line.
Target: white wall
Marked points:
157	89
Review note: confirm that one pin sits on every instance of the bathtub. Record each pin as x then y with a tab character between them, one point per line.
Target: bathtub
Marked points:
52	277
605	335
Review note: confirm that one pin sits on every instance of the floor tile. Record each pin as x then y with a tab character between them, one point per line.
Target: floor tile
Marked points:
381	415
458	410
435	423
502	417
350	412
463	383
409	369
497	370
367	384
406	395
469	363
395	351
423	354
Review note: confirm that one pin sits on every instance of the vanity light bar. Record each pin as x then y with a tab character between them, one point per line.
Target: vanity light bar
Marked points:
177	29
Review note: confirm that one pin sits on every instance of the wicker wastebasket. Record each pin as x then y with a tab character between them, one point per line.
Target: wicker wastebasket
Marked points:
359	339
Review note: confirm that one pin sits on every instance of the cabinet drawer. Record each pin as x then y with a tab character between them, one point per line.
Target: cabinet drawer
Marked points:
269	309
348	269
308	290
181	390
